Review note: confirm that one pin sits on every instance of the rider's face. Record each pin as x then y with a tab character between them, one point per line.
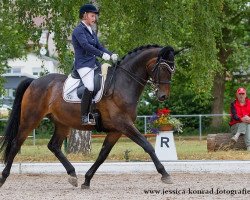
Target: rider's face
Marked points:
90	18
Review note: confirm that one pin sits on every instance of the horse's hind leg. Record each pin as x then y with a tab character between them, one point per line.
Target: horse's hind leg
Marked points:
24	130
55	145
108	144
15	147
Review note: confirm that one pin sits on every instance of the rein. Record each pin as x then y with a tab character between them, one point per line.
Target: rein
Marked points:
136	78
161	63
155	69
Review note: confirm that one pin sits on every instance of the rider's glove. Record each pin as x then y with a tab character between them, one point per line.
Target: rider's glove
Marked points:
106	56
114	57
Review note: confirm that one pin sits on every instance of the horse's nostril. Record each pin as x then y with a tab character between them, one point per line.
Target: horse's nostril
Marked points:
163	97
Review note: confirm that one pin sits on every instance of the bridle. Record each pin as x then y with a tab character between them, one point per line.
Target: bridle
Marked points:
155	77
156	69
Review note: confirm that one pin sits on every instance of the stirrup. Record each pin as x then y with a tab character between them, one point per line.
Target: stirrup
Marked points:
90	120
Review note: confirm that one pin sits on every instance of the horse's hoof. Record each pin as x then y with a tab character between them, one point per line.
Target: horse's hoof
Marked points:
85	186
2	181
73	181
167	179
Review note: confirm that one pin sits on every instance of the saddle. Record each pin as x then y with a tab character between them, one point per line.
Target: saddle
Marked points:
73	86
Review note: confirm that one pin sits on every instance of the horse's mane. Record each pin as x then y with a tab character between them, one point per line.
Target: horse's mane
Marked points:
137	49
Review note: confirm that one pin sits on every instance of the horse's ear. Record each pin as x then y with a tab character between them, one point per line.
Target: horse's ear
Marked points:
179	51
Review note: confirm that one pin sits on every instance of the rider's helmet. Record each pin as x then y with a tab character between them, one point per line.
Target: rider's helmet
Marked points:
87	8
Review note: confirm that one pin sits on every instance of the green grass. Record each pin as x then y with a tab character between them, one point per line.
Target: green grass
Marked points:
186	150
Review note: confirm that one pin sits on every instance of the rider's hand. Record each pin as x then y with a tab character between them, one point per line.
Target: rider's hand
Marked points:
106	56
114	57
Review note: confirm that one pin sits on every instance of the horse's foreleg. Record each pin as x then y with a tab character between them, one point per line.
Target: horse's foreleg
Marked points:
55	145
108	144
139	139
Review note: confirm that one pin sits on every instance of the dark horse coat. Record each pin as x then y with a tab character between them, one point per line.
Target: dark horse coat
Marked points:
42	97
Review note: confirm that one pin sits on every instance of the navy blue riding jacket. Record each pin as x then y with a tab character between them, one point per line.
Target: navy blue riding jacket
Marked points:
87	47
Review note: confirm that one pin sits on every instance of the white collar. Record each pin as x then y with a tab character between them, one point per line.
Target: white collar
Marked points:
88	27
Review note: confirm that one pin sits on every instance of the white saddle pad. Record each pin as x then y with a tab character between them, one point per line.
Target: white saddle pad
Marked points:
71	84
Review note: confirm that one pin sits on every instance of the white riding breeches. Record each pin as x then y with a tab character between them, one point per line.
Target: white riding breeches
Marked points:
87	76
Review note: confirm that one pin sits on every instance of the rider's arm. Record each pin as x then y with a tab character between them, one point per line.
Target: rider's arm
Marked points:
81	38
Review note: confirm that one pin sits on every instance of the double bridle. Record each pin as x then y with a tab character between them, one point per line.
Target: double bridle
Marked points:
161	63
156	69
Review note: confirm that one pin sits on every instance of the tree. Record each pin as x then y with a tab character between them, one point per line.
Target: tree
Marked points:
13	37
215	34
79	142
233	53
189	24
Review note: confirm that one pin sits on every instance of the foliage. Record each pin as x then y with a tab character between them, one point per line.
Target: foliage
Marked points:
59	17
45	129
13	37
181	102
2	126
233	52
236	41
199	26
207	29
168	24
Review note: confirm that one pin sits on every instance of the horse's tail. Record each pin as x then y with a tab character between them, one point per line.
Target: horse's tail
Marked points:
12	126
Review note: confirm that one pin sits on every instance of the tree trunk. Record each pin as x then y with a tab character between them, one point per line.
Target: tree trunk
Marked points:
222	141
219	87
79	142
218	101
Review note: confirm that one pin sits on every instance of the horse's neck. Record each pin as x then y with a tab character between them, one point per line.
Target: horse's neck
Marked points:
137	66
129	85
131	78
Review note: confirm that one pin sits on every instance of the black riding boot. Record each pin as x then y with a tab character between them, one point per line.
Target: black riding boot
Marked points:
85	107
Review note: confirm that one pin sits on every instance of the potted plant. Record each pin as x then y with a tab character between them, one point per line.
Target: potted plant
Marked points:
162	121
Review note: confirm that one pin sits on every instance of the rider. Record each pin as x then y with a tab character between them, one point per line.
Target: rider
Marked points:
87	47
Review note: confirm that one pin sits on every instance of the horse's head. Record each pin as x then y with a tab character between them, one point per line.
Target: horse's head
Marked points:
161	70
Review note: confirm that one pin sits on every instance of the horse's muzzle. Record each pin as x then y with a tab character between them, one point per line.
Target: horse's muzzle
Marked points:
162	93
162	98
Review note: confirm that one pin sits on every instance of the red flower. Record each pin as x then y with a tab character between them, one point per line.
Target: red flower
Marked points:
164	111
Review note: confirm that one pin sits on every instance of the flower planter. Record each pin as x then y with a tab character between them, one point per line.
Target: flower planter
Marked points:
162	121
166	128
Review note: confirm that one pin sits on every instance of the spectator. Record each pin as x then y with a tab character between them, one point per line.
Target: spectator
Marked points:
240	117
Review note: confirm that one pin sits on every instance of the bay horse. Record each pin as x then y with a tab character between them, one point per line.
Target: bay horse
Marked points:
38	98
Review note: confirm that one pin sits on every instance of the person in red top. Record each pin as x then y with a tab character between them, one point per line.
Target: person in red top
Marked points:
240	117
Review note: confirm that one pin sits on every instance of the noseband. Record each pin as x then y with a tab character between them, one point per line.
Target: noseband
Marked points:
161	64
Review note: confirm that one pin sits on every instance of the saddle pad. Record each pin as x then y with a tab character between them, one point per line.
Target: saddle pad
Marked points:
71	84
70	90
